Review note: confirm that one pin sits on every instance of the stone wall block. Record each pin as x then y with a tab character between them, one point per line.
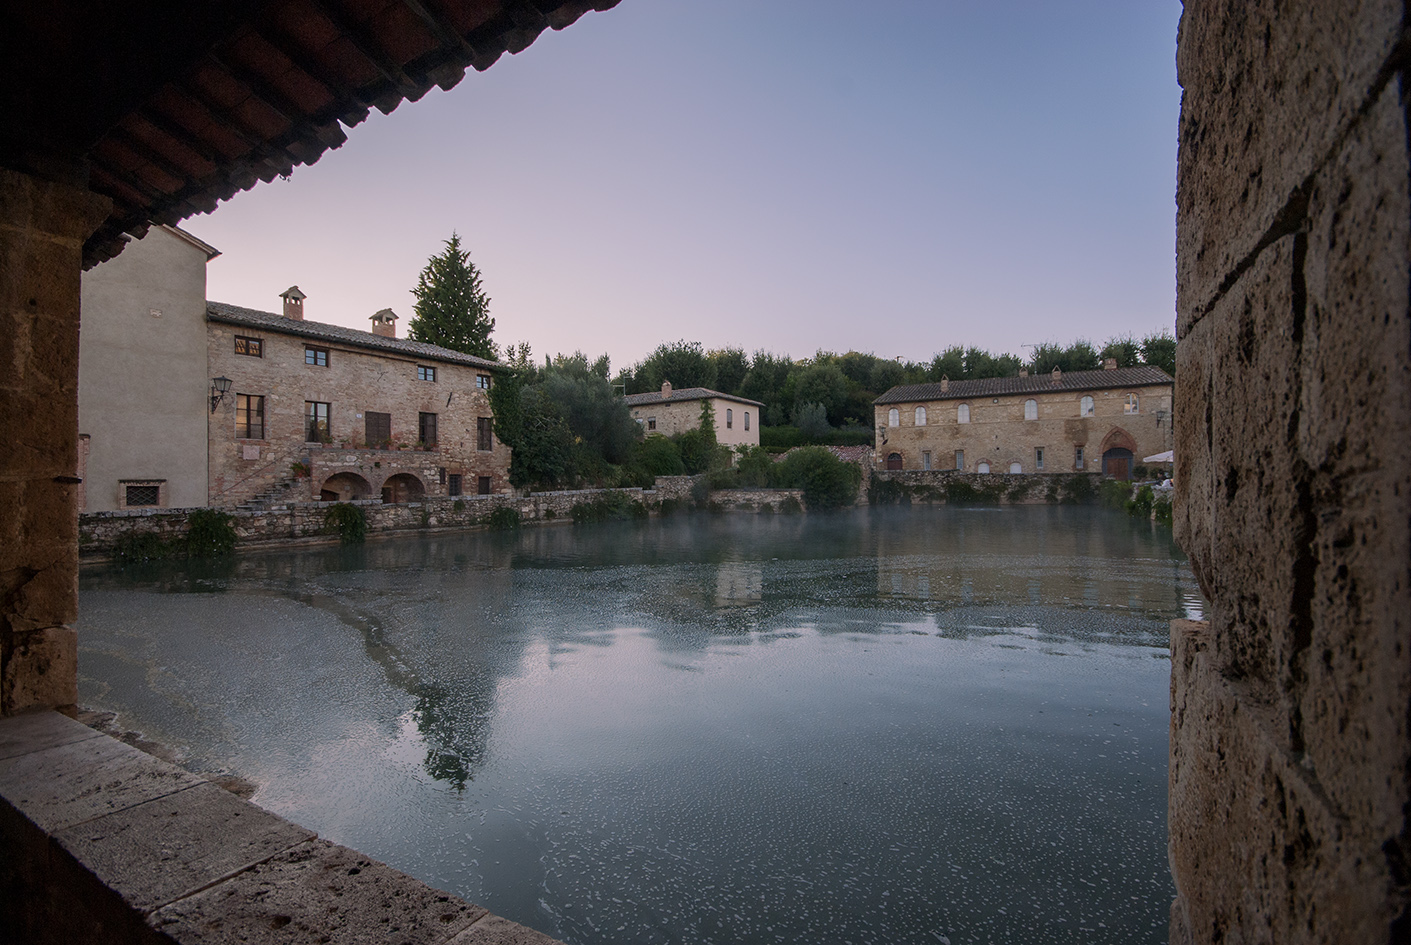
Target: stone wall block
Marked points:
1249	139
41	671
1258	853
1354	683
1194	476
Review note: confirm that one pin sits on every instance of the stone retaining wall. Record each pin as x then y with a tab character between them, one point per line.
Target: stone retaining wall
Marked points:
304	521
946	486
756	500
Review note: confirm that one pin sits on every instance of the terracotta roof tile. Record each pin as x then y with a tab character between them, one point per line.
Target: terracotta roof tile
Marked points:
684	394
1141	376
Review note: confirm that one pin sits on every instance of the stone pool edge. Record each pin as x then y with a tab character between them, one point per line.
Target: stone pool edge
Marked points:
107	843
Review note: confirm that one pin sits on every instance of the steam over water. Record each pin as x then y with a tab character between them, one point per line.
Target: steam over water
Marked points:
926	725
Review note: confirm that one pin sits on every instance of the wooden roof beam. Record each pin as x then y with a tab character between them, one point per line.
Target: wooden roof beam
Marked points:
341	90
368	48
276	101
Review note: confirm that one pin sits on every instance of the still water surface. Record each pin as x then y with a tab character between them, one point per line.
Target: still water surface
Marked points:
926	725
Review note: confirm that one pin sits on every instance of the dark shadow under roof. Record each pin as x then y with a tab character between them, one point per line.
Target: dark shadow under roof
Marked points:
1141	376
322	331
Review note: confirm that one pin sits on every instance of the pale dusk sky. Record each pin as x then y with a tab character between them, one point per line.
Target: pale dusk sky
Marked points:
884	176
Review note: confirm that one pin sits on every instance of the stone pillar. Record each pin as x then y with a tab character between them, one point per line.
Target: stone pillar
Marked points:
42	229
1289	730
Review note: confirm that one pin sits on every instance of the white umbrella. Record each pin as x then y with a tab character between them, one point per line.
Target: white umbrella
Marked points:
1167	457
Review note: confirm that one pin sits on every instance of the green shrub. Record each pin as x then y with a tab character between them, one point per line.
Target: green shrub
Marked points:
140	547
458	505
348	522
659	456
1141	472
724	479
754	466
766	508
887	492
700	492
1115	493
1078	490
1140	504
504	519
827	482
210	533
612	506
960	492
1161	510
790	506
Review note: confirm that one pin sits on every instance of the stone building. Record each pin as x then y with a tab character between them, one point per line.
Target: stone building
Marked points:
318	411
142	380
669	412
1083	421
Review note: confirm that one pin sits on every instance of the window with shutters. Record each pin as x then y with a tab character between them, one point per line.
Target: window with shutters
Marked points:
377	429
894	417
921	417
253	347
426	429
962	413
316	422
484	428
1031	410
249	417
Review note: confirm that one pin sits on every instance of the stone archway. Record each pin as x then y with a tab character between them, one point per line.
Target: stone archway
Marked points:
403	487
894	461
344	487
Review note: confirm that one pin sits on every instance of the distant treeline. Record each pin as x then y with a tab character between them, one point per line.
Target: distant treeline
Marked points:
836	390
568	425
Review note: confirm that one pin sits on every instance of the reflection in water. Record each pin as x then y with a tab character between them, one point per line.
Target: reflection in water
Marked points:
875	726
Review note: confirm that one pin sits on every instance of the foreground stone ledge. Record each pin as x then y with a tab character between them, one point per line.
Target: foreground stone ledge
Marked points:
105	843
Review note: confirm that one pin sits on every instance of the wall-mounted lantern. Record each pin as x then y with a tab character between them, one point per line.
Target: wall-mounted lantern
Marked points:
220	386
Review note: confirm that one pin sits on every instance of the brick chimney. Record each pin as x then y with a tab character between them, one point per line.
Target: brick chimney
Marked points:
384	323
1110	364
945	383
665	389
293	303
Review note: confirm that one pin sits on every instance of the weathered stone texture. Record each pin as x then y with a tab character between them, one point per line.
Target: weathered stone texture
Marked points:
42	229
1289	747
1270	88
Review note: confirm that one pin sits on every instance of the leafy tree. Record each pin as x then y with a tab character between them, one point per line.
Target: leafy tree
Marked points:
827	482
885	375
1124	348
452	309
698	447
683	363
821	384
660	457
731	366
1159	350
755	466
765	383
1079	356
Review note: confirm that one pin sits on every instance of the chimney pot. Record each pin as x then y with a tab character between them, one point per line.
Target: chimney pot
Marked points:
384	324
293	303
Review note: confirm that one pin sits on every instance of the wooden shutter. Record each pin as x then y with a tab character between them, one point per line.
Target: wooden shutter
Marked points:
482	429
378	428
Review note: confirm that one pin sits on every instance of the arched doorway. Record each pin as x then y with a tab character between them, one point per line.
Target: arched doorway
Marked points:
1117	463
983	468
403	487
894	461
1118	448
344	487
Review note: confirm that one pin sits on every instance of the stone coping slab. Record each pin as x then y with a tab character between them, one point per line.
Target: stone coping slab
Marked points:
104	842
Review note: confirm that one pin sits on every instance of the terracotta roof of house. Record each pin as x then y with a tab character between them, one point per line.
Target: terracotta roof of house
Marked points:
685	393
848	454
1141	376
322	331
170	107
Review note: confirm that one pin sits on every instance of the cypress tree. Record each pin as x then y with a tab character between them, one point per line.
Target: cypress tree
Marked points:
451	307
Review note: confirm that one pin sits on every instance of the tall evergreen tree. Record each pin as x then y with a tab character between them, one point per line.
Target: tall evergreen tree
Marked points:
451	307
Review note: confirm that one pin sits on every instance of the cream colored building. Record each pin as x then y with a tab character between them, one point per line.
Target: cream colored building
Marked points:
142	381
1083	421
669	412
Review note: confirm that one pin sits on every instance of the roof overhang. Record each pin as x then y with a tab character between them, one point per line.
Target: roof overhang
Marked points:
168	107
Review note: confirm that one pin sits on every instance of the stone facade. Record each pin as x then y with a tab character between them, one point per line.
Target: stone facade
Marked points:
376	396
1085	421
1290	758
669	412
142	381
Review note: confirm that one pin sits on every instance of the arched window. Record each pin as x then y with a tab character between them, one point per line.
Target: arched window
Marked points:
729	419
983	468
893	417
747	419
1016	468
962	413
1031	410
1131	405
920	416
894	461
1087	408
